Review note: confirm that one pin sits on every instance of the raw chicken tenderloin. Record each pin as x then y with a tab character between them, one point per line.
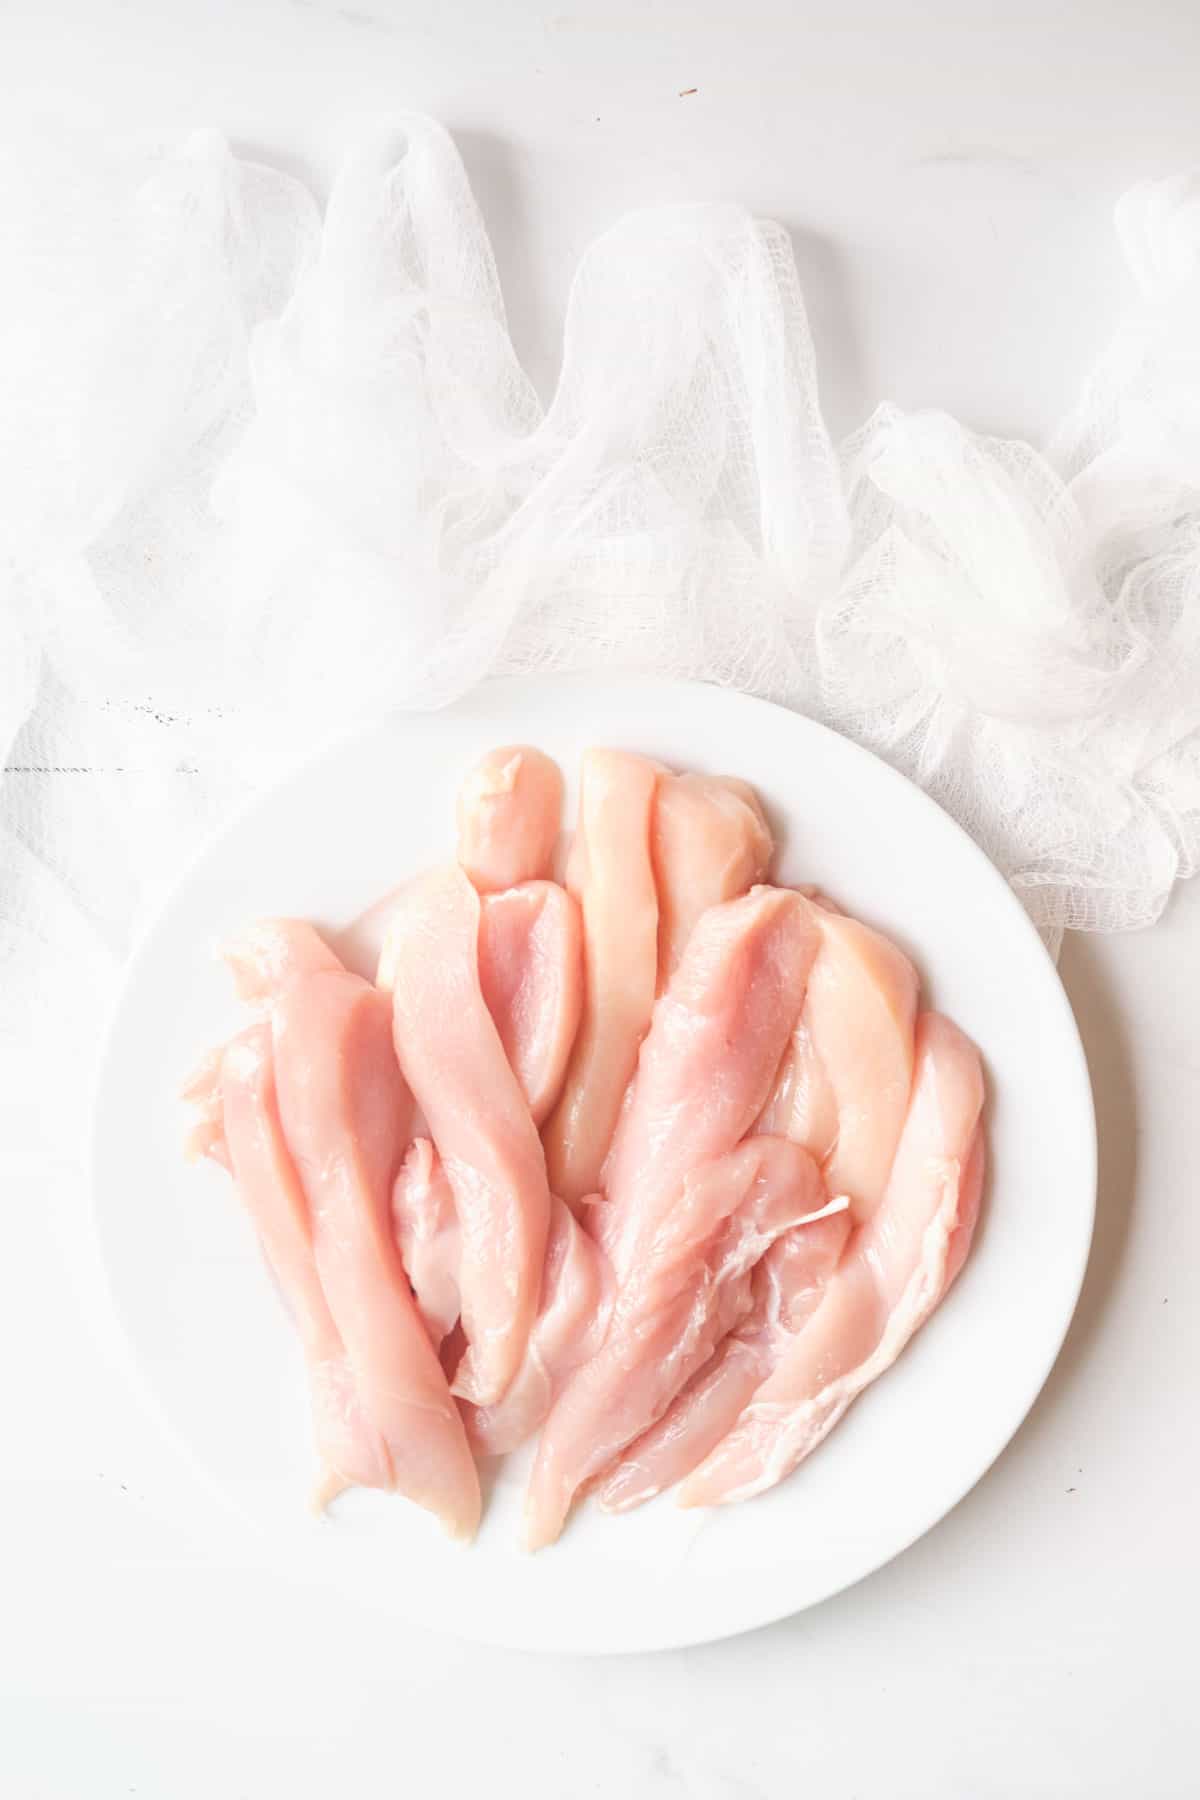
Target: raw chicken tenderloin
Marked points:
509	814
572	1311
530	967
260	959
843	1090
454	1062
530	970
710	842
690	1286
351	1451
531	976
895	1269
570	1326
428	1238
346	1116
272	952
785	1290
708	1061
611	872
788	1285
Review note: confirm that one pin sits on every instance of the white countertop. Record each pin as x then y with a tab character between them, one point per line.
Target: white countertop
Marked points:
948	172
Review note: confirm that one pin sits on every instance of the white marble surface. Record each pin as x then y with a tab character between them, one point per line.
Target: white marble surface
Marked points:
948	171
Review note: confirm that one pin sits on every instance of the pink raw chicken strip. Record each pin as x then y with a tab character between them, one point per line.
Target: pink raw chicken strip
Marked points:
611	872
454	1062
428	1238
896	1268
271	957
531	976
260	959
272	952
509	813
570	1326
705	1069
530	971
789	1282
703	1074
351	1451
785	1290
709	842
844	1087
572	1308
346	1115
691	1285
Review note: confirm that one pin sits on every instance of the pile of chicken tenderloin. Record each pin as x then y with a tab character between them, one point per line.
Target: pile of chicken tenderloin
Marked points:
659	1160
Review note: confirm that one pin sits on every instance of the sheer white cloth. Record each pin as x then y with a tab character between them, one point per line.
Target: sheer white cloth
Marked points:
267	472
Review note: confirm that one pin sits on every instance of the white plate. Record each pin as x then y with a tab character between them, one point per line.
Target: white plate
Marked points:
209	1332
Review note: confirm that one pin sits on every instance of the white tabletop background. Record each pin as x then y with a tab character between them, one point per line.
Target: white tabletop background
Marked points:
948	171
